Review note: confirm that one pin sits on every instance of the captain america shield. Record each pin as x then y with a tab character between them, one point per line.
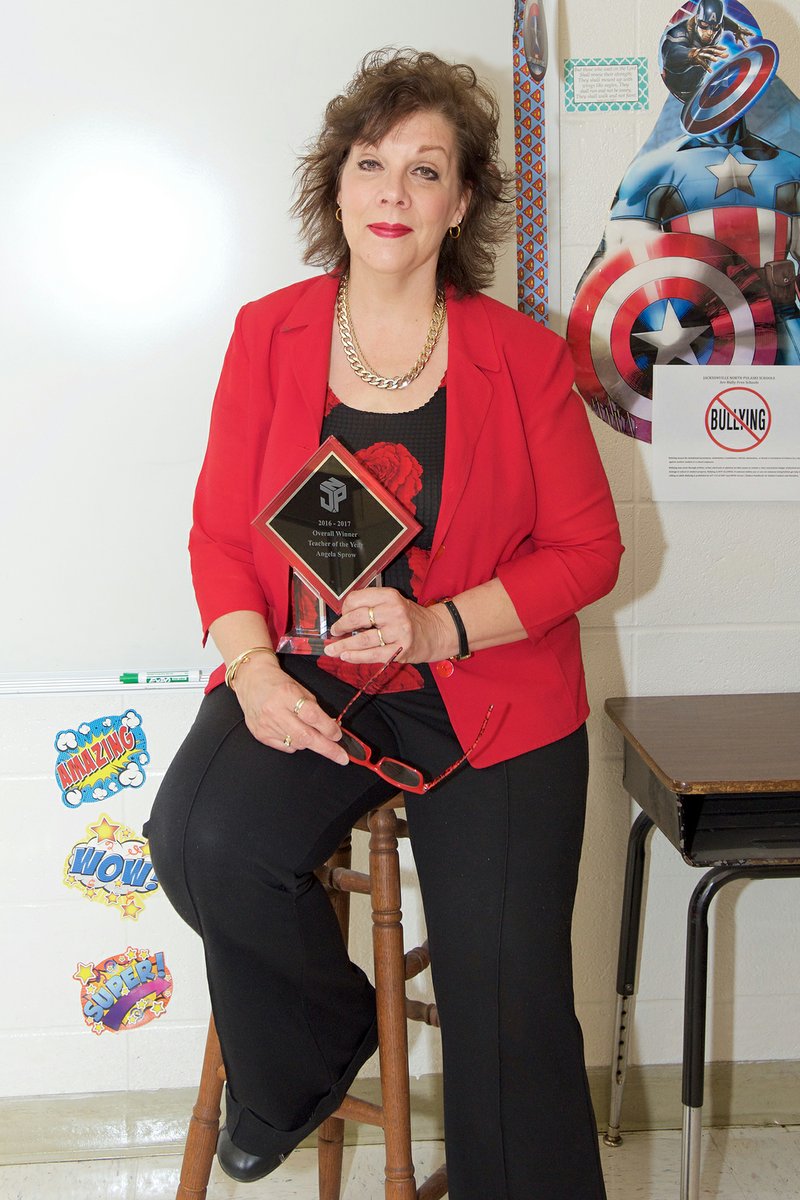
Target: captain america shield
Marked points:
731	90
673	298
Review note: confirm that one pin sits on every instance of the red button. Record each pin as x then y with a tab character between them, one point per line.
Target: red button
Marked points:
445	669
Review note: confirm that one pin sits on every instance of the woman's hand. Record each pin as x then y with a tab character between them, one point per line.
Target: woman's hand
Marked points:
276	707
381	619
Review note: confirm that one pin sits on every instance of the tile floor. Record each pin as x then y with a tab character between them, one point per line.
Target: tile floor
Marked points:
738	1164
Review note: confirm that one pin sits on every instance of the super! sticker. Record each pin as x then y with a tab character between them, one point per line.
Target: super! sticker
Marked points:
112	865
124	991
100	757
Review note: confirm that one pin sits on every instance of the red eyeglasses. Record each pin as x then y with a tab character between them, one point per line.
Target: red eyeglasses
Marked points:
400	774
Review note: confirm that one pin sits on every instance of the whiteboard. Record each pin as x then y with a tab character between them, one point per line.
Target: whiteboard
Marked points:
149	151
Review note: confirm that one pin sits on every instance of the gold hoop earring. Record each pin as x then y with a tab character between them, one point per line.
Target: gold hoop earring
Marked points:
455	236
338	215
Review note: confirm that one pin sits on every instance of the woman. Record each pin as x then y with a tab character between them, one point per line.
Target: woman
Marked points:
482	438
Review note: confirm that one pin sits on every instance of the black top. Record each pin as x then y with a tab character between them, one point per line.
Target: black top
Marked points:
405	452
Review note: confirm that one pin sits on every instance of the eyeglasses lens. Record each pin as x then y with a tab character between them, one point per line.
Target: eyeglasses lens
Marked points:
353	747
399	773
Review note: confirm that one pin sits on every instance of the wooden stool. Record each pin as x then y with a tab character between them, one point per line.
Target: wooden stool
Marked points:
392	968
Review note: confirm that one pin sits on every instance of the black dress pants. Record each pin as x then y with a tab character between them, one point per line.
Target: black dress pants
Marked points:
236	832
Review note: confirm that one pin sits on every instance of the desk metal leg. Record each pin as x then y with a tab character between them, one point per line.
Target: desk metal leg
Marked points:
694	1009
694	1028
626	969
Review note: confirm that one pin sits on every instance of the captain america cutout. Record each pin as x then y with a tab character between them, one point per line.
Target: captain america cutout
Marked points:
698	264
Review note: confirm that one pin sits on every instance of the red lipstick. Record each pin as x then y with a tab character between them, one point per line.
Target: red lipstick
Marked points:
389	231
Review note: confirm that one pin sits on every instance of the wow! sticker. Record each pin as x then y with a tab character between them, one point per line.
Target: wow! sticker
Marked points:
112	865
125	991
100	757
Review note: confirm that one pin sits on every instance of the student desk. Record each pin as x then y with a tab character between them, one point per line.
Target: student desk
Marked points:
719	776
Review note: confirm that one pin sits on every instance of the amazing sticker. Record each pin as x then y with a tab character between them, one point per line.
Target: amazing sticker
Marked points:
100	757
112	865
124	991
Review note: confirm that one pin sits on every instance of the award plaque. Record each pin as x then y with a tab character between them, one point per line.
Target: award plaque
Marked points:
338	527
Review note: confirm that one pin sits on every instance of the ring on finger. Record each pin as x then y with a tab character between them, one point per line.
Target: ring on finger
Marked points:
371	615
287	741
299	705
380	636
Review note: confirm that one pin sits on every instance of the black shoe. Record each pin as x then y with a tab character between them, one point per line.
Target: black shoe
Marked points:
244	1167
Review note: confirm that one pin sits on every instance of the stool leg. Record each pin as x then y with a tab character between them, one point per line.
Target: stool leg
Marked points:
330	1137
330	1153
387	935
626	969
201	1138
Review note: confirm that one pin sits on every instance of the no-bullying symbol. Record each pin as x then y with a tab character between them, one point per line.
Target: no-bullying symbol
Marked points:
738	419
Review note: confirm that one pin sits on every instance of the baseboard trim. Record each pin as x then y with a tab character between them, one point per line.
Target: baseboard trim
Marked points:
129	1124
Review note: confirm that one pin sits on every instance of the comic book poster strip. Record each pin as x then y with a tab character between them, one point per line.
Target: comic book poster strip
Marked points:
112	866
124	991
100	757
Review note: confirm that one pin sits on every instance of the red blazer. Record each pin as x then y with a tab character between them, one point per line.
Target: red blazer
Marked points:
524	498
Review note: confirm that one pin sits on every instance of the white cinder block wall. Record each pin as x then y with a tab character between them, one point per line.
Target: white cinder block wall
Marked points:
707	602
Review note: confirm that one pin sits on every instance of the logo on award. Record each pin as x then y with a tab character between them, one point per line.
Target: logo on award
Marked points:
336	553
334	492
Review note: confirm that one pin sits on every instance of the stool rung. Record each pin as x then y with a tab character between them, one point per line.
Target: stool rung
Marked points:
417	960
435	1186
417	1010
353	1108
341	879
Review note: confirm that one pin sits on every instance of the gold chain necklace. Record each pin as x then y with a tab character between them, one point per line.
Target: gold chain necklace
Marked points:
355	355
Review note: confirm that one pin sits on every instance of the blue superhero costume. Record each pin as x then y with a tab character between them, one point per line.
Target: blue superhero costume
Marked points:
734	187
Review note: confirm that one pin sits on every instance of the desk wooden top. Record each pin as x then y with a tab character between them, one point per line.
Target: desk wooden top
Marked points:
701	744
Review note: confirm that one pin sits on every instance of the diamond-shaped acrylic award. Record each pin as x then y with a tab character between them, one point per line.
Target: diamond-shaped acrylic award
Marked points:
336	525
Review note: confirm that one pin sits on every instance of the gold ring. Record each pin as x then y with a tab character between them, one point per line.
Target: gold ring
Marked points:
287	741
299	705
371	613
380	636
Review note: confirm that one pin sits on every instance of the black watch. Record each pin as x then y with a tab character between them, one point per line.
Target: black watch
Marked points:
463	644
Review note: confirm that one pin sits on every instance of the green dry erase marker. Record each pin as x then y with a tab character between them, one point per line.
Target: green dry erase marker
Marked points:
160	677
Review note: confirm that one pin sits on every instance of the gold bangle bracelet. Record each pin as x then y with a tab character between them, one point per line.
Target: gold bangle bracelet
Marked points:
233	666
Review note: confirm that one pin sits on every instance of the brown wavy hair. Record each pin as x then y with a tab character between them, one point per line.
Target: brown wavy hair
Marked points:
390	86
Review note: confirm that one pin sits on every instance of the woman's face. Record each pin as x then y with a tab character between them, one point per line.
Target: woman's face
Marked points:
399	198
